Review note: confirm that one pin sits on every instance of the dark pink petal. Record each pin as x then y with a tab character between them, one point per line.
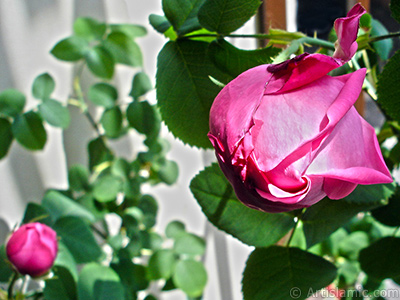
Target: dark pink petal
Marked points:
346	30
298	72
338	189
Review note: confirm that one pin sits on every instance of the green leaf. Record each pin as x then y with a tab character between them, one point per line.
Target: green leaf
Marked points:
54	113
98	153
384	47
371	194
351	245
395	9
141	85
151	240
388	93
89	29
182	14
326	216
190	276
106	188
234	61
97	282
225	16
103	94
61	286
148	205
161	264
381	260
5	266
131	30
168	172
6	137
60	205
43	86
124	49
133	276
28	130
66	260
78	178
144	118
219	203
389	214
189	244
185	92
12	102
78	238
100	61
159	23
174	229
282	273
111	120
72	48
36	212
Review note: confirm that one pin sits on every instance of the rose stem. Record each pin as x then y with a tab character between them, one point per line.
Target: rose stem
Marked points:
11	286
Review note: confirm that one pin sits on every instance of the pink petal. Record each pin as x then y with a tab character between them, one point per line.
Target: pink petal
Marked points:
338	189
351	153
232	110
347	29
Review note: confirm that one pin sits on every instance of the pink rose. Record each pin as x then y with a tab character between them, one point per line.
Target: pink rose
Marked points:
32	249
287	135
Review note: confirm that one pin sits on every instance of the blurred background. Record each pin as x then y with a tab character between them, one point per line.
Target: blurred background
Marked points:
28	31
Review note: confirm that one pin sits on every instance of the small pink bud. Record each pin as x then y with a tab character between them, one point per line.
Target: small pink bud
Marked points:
32	249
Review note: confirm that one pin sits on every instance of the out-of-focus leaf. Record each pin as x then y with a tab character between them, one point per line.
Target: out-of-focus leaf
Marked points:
98	153
28	130
97	282
124	49
174	229
103	94
159	23
111	120
144	118
100	61
395	8
190	276
5	266
189	244
54	113
6	137
60	205
78	238
78	178
161	264
12	102
43	86
384	47
132	30
61	286
89	29
141	84
70	49
381	260
106	188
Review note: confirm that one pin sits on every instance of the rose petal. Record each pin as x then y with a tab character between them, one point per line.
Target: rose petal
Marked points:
232	110
346	30
351	153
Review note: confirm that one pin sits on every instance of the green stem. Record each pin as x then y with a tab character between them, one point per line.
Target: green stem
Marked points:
384	37
284	38
11	285
396	231
293	231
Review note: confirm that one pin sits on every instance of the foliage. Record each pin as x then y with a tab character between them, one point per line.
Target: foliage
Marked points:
330	242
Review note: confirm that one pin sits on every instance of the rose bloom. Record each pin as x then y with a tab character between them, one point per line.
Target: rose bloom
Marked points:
32	249
287	135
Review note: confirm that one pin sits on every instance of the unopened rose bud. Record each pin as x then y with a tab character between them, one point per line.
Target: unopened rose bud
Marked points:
32	249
